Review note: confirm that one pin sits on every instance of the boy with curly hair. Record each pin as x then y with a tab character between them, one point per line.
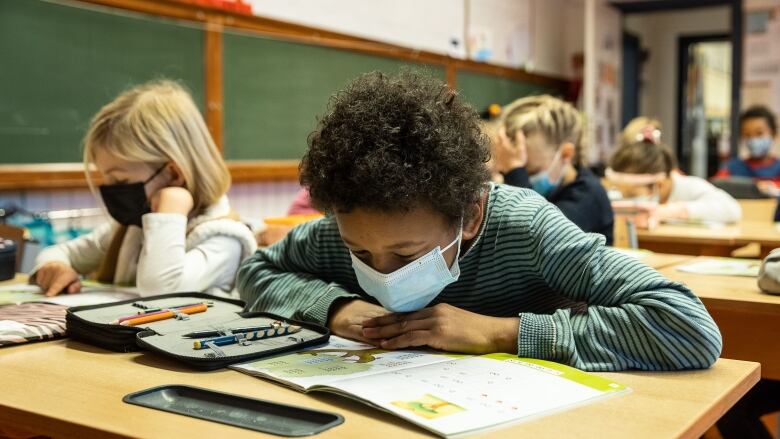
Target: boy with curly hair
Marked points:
420	249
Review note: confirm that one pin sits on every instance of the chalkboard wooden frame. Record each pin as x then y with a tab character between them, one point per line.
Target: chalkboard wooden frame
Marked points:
71	175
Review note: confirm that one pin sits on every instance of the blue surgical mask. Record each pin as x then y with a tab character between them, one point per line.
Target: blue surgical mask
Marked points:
546	181
541	183
412	286
759	146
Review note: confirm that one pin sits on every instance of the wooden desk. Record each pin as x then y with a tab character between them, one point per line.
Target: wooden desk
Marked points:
661	260
68	389
749	320
758	210
701	241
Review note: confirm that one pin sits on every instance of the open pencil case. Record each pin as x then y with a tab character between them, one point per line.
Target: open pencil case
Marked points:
201	330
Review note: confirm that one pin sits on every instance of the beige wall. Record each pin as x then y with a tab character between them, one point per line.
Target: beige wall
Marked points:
658	33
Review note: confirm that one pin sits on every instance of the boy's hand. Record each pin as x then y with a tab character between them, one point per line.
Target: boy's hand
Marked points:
446	328
56	277
508	155
346	320
172	200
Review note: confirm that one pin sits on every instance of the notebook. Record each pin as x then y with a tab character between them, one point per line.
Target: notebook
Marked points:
449	395
92	293
723	267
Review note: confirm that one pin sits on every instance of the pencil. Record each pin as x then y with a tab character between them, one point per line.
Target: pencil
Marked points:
164	315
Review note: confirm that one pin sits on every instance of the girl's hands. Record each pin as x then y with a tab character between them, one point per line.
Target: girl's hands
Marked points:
56	277
172	199
508	155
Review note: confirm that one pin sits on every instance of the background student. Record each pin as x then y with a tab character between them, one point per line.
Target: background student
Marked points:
647	171
164	185
758	131
641	129
540	146
420	249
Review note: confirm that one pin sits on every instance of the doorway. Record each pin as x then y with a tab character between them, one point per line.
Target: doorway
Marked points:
704	103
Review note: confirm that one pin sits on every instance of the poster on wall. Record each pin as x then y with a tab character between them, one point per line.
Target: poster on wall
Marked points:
761	83
604	110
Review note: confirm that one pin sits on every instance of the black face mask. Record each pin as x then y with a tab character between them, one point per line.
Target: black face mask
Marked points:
127	202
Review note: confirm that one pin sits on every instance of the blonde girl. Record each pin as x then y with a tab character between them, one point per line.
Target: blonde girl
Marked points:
163	184
641	129
541	147
647	171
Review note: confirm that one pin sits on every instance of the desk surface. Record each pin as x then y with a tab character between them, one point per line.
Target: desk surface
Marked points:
732	292
68	389
747	318
744	231
758	210
661	260
721	241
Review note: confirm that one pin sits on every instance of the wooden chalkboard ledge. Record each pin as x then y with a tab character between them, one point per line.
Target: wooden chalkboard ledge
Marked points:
53	176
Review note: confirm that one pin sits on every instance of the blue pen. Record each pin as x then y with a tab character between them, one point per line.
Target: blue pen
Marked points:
236	338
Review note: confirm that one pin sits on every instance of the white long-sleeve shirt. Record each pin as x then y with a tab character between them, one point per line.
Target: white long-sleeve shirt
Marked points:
168	254
703	200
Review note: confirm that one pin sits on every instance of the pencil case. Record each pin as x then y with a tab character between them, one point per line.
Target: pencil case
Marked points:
195	329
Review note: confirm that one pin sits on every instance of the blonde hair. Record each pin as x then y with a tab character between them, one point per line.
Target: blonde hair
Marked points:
157	123
558	121
634	129
643	157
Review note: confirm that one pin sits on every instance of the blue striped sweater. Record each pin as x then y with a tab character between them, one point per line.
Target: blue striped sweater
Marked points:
579	302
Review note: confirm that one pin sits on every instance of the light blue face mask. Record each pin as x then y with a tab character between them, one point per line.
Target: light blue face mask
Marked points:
412	286
759	146
540	182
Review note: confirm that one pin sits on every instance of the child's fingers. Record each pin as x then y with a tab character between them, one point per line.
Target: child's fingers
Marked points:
75	287
43	277
58	284
409	339
520	138
389	319
397	328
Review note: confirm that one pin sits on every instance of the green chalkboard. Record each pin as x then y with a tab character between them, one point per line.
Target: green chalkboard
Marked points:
482	90
274	91
59	64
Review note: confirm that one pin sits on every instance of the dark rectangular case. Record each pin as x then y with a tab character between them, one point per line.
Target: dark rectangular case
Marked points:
92	324
236	410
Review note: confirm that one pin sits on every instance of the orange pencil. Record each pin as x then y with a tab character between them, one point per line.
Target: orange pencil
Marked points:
164	315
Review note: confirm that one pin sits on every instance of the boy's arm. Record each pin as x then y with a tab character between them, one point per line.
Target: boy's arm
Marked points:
288	278
632	318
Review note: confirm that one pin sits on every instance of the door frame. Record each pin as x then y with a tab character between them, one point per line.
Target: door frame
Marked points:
683	43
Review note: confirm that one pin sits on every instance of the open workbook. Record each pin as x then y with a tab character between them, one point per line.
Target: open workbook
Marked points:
92	293
449	395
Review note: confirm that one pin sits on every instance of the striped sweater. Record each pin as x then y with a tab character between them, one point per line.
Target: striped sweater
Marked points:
579	302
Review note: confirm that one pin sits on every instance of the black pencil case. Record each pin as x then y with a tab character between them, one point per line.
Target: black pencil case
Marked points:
96	325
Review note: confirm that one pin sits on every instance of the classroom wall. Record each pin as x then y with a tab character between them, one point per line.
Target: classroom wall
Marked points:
540	28
658	33
253	201
761	65
553	28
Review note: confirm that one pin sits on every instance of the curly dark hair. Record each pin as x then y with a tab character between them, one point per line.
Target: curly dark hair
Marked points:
392	143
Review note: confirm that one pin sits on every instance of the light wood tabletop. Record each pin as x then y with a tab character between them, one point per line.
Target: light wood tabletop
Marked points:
758	210
706	241
749	319
69	389
660	260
